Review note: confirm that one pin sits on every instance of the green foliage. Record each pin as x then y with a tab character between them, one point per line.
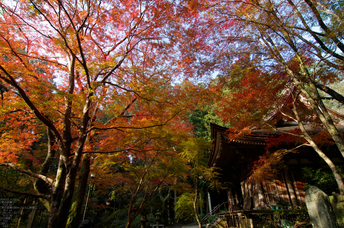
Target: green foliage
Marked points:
184	207
210	219
322	179
195	150
117	219
197	118
297	217
201	120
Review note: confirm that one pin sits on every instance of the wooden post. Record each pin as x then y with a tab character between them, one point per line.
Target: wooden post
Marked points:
299	197
290	188
283	189
277	196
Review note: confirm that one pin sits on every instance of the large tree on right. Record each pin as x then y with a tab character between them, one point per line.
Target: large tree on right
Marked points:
292	42
302	38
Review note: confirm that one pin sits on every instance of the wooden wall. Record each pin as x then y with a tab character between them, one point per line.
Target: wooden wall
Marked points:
283	190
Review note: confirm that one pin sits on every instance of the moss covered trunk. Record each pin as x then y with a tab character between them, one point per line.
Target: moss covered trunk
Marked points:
75	212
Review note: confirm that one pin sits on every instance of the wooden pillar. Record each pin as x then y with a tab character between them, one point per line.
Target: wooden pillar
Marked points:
236	196
261	199
247	197
255	194
209	203
269	194
290	188
283	191
297	191
275	191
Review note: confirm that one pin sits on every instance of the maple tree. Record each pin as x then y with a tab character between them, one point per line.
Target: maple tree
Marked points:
251	94
81	75
284	37
301	137
151	165
267	47
156	162
253	101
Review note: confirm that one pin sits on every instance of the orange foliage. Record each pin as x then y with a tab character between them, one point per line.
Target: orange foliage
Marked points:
247	94
268	165
101	77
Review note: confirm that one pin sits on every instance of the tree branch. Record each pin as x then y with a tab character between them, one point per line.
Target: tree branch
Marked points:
134	128
27	172
10	80
338	97
25	193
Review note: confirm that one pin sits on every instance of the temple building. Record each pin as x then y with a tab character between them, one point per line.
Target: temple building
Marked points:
249	191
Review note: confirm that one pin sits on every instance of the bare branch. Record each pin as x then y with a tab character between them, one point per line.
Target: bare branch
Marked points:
25	193
334	95
27	172
134	128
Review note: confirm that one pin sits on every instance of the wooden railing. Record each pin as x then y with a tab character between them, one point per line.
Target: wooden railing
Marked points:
224	206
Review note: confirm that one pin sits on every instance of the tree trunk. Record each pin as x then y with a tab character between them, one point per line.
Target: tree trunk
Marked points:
324	117
338	97
164	207
128	224
195	204
333	168
308	88
328	161
63	192
303	80
75	213
59	216
57	193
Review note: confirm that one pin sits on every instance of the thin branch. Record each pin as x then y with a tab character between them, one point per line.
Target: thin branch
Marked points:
84	61
123	112
314	34
25	23
322	24
27	172
116	151
25	193
14	52
134	128
132	91
56	29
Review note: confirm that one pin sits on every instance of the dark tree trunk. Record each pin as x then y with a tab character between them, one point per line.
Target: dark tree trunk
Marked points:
75	213
56	196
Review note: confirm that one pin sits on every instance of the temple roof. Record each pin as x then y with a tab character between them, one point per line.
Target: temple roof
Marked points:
254	139
233	156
